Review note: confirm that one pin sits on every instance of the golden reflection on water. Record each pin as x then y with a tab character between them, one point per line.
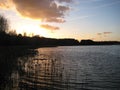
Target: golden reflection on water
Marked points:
41	72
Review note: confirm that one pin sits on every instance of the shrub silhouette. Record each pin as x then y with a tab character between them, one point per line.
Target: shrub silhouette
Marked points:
3	24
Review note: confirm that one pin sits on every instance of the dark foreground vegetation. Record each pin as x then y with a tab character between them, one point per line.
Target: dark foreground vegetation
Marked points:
9	63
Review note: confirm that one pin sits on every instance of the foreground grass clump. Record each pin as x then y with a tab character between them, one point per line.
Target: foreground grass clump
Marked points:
9	59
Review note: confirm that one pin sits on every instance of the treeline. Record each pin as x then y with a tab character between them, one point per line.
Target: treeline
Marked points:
10	38
19	40
13	40
91	42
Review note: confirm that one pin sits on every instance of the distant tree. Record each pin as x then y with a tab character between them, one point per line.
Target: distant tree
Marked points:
12	33
19	35
3	24
37	36
24	34
32	34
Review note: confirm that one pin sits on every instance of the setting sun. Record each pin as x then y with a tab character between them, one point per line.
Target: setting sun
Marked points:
31	30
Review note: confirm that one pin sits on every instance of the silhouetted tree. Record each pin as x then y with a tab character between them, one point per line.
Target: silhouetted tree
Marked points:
12	33
3	24
24	34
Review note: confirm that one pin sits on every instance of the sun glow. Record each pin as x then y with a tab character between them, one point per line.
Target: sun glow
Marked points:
31	30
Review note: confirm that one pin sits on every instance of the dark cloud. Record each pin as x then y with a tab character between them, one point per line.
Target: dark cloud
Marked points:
49	27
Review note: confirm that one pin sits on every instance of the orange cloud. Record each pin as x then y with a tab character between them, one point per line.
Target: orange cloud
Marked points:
49	27
45	10
4	4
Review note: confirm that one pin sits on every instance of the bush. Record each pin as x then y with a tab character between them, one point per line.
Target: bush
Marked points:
3	25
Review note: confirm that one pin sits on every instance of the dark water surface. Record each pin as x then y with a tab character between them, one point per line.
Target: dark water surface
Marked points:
64	68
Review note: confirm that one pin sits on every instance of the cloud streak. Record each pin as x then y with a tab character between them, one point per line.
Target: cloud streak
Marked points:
107	33
49	27
99	34
104	34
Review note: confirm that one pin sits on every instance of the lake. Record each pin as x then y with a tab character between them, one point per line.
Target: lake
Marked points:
67	68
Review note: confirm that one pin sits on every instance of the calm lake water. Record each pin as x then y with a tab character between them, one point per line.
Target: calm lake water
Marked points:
68	68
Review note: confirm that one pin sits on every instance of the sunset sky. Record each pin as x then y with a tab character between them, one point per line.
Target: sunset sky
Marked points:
98	20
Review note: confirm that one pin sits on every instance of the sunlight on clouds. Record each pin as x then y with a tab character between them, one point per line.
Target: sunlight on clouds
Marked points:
46	10
43	10
49	27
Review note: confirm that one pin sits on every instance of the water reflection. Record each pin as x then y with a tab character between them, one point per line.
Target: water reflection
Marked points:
43	73
64	68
